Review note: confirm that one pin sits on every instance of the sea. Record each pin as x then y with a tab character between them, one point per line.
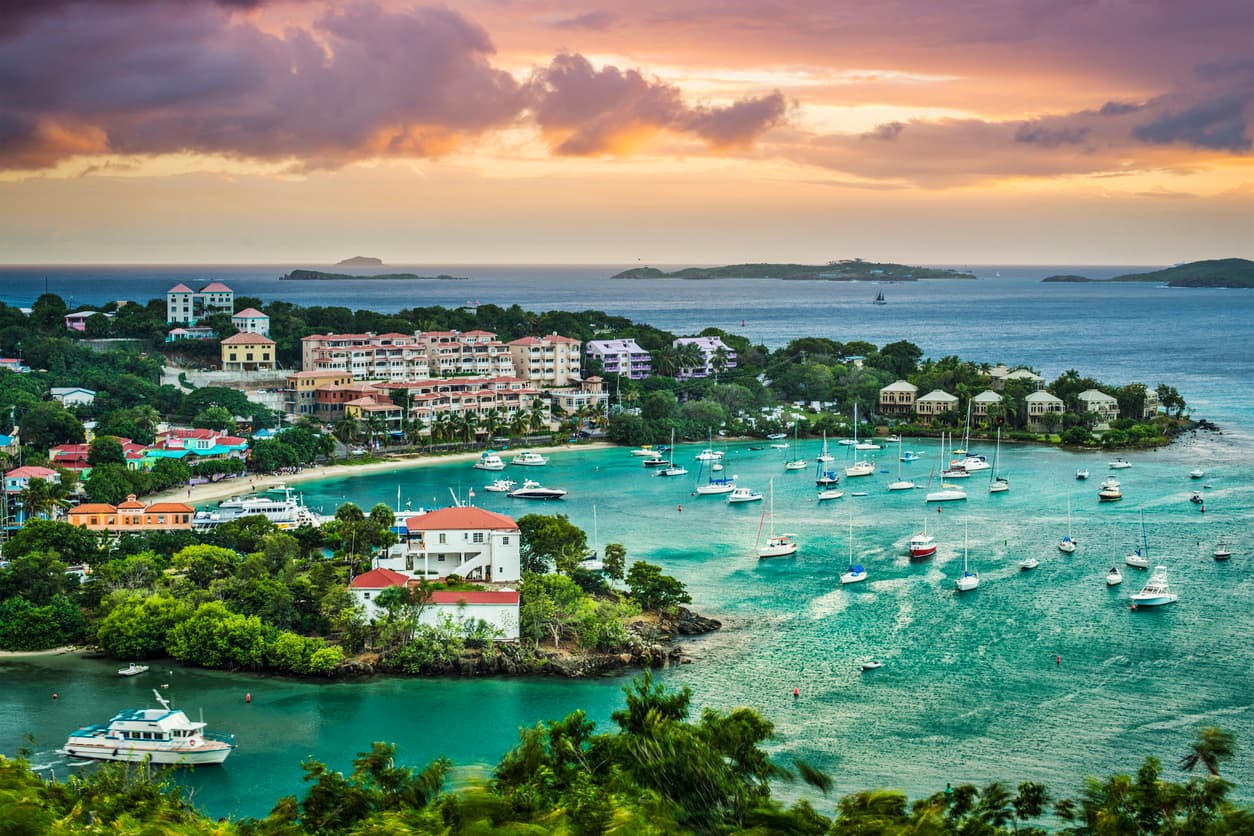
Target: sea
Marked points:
1044	675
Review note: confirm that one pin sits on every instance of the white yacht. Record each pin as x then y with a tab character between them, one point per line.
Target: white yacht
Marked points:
529	458
970	578
1111	491
133	669
1155	593
1114	577
534	490
830	493
489	460
162	735
1196	473
744	495
777	545
501	486
286	512
1029	563
1120	464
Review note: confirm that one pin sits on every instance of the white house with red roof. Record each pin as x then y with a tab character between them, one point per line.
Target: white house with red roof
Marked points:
470	542
186	306
251	321
498	607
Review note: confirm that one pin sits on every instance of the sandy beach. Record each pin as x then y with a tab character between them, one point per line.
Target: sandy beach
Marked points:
252	483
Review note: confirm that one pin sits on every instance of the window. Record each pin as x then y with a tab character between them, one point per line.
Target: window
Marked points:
442	538
478	537
505	540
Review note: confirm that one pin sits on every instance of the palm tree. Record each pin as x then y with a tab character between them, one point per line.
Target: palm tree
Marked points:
491	421
41	498
345	429
719	362
1211	746
665	361
689	357
377	429
539	417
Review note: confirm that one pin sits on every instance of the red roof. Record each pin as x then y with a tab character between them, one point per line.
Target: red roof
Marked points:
245	338
131	503
93	508
469	519
379	579
30	471
169	508
252	313
504	596
180	288
215	287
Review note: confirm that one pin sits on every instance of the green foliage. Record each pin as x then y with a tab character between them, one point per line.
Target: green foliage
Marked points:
45	425
654	591
137	626
74	545
550	541
24	626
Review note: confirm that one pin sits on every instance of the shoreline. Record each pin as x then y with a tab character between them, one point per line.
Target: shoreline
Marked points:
255	483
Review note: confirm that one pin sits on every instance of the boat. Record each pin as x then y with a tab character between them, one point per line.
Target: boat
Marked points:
501	486
996	482
160	735
286	512
830	493
1120	464
879	299
944	492
969	579
922	545
1029	563
1140	557
1222	552
966	434
824	456
777	545
795	462
1196	473
714	485
874	664
132	669
644	450
973	462
528	458
1114	577
592	561
1082	473
893	439
909	456
1067	544
656	459
1110	492
856	573
1156	592
777	436
673	469
744	495
489	460
534	490
1196	498
864	467
901	484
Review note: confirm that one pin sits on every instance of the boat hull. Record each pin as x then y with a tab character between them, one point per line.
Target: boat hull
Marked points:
946	496
1139	600
209	752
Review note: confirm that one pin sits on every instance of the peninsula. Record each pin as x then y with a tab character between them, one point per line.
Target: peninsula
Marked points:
845	270
1218	272
319	276
360	261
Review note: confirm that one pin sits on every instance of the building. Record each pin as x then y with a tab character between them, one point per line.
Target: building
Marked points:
252	321
1039	404
468	353
77	321
73	395
18	479
187	307
897	398
132	516
194	332
13	364
246	352
1100	404
499	608
716	356
1151	403
980	403
622	357
395	356
935	404
202	444
469	542
546	362
299	396
1036	381
587	396
377	410
1000	373
498	398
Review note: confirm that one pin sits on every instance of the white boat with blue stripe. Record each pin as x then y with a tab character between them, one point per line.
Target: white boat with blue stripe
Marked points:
162	735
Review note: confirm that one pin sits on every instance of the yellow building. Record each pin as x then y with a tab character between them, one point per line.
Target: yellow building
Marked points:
244	352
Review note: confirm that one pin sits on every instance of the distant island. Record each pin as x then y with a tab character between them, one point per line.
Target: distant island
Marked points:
1219	272
360	261
847	270
319	276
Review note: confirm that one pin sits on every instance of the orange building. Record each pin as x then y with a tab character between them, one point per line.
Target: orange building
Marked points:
132	516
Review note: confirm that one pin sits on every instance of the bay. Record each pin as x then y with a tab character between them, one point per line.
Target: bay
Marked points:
970	690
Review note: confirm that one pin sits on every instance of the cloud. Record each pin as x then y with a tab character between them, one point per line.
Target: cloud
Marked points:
597	21
1219	124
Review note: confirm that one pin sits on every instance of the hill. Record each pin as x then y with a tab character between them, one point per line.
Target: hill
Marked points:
360	261
1218	272
319	276
849	270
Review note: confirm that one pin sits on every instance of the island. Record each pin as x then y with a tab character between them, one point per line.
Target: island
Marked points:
360	261
319	276
1217	272
845	270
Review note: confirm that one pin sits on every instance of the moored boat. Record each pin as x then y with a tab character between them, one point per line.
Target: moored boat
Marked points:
1082	473
744	495
489	460
1110	491
1114	577
529	458
1029	563
1222	552
534	490
501	486
1156	592
161	735
287	512
132	669
1120	464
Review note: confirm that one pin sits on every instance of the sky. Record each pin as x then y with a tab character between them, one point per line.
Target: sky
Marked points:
612	132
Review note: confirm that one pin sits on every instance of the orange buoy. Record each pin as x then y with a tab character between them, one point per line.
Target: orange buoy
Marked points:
1058	660
681	509
796	692
54	695
248	697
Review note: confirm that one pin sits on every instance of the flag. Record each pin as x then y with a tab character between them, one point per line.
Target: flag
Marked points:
472	493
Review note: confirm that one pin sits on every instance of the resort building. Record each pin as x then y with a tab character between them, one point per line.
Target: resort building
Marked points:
499	608
186	306
586	397
302	387
1030	376
429	400
132	516
1040	403
18	479
73	395
546	362
469	542
468	353
373	411
897	398
1100	404
981	403
716	355
395	356
1151	403
246	352
935	404
622	357
1000	373
252	321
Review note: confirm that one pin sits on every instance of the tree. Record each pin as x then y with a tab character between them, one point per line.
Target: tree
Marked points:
136	627
46	425
203	564
75	545
614	560
105	450
215	418
551	540
1212	746
41	498
110	483
654	591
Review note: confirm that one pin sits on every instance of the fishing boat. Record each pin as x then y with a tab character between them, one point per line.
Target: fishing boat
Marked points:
287	511
534	490
996	482
160	735
1196	473
744	495
1222	552
489	460
1110	491
1028	563
1156	592
1114	577
970	578
863	467
901	484
855	573
922	545
133	669
1120	464
529	458
1067	544
501	486
1139	559
1082	473
777	545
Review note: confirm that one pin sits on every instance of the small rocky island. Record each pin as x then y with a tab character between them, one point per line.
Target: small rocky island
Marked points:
360	261
845	270
1218	272
319	276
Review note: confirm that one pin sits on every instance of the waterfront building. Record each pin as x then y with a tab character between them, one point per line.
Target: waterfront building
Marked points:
466	353
546	362
897	398
498	607
623	357
1100	404
132	516
251	321
394	356
185	306
586	396
712	348
472	543
429	400
980	403
244	352
373	408
300	393
1151	403
1039	404
935	404
73	395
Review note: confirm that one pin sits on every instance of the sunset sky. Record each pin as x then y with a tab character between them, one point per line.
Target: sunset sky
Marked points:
664	131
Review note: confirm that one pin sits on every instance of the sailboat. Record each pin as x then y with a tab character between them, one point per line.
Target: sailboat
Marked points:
879	299
593	562
777	545
954	470
946	492
901	484
674	468
966	434
1067	544
996	482
709	454
1139	559
856	573
1114	577
824	456
796	462
970	579
714	485
859	468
